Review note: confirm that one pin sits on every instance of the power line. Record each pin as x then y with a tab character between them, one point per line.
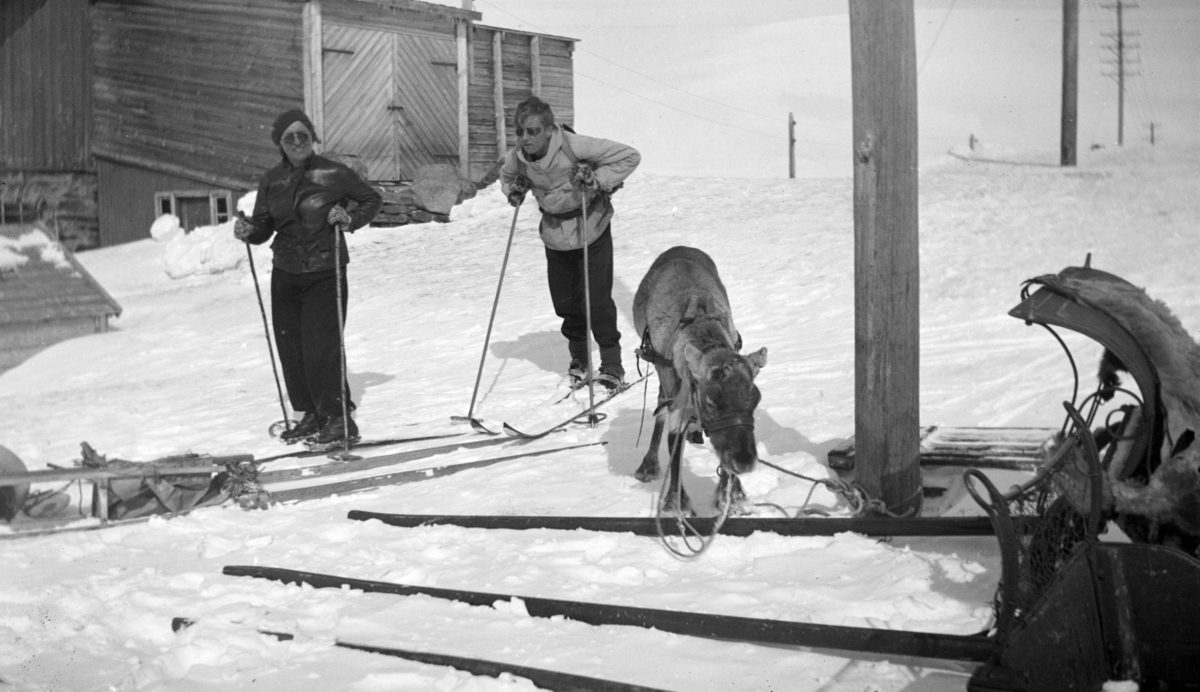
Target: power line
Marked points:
694	115
669	86
936	36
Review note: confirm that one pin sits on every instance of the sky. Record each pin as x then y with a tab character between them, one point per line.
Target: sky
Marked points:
186	368
654	75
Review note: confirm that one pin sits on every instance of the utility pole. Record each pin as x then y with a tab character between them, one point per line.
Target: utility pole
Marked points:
791	146
883	60
1070	83
1119	48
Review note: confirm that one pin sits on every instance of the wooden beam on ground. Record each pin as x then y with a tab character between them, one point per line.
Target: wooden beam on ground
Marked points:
733	526
886	300
1011	449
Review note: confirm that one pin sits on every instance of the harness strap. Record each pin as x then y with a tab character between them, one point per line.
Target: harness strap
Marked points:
648	353
727	422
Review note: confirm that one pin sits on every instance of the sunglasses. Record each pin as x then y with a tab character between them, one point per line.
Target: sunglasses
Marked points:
532	132
297	138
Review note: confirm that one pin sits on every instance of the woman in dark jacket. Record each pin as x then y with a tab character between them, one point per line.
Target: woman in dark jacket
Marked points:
300	201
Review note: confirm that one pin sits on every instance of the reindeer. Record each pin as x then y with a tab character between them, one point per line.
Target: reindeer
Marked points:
682	311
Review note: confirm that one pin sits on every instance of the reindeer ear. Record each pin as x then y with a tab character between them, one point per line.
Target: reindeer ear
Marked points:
759	358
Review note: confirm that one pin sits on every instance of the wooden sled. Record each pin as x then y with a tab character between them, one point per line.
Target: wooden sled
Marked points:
1073	612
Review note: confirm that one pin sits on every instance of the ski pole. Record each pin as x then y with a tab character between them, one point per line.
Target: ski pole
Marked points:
287	423
470	418
587	309
343	385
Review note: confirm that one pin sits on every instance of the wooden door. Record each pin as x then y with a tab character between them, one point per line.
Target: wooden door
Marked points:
358	65
426	101
390	98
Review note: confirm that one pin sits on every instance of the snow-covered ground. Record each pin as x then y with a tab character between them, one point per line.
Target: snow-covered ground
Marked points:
186	368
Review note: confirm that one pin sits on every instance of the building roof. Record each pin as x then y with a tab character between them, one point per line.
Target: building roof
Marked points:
41	281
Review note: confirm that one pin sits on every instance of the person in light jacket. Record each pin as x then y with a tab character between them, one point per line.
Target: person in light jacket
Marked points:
560	167
300	201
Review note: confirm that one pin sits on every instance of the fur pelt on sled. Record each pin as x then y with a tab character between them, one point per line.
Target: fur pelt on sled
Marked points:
1172	352
1172	495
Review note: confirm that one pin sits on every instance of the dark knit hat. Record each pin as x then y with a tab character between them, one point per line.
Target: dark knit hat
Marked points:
285	120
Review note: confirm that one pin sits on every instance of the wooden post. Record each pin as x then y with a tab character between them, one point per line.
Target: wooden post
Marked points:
314	74
791	146
1070	82
498	92
462	32
886	297
535	64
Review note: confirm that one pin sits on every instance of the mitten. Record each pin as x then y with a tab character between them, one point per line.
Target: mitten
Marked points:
582	174
242	228
517	189
339	217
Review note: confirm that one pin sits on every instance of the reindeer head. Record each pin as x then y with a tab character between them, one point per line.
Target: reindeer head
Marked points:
724	394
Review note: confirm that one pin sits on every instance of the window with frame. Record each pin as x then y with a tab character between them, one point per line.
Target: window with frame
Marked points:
195	208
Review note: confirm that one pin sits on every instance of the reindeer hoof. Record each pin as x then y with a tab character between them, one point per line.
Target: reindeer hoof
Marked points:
647	472
669	506
737	508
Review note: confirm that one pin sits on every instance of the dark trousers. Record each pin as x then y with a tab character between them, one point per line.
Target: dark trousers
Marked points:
564	271
304	309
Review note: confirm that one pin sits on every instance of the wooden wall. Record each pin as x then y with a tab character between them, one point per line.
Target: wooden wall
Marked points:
557	86
439	22
191	88
126	193
45	85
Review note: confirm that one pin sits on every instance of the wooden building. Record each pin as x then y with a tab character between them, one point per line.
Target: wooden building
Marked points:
46	295
183	93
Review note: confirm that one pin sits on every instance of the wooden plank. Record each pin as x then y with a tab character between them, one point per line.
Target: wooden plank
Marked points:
498	92
733	526
535	64
314	67
1017	449
769	632
463	58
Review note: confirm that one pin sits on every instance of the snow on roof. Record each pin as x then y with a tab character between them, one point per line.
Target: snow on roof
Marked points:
40	280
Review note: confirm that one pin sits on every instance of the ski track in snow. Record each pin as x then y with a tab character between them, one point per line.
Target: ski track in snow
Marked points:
186	368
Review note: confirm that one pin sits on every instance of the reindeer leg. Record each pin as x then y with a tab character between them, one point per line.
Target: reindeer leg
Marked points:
649	468
737	494
675	498
668	385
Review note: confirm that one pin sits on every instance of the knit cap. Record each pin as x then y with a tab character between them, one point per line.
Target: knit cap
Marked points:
285	120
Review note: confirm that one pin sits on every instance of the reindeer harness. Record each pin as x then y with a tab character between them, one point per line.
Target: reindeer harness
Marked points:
651	355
